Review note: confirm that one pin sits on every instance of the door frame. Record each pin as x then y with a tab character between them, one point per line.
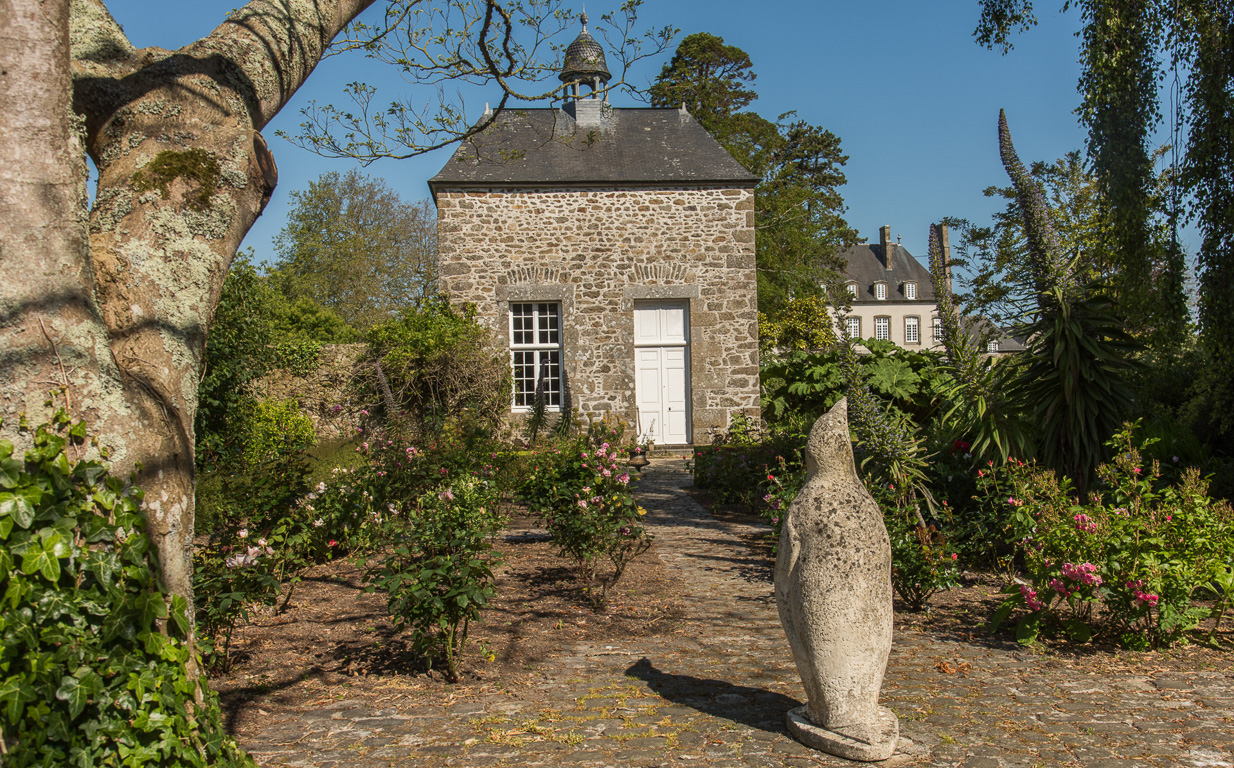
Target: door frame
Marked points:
662	343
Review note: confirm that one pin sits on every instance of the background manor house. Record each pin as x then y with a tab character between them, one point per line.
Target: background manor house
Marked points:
612	252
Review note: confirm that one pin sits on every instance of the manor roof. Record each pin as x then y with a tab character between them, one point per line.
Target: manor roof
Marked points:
867	264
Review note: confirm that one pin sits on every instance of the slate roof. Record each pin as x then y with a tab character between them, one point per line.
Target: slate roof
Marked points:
866	267
630	147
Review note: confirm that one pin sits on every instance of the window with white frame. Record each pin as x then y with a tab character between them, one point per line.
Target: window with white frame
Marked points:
910	291
912	330
535	353
991	346
938	329
882	328
852	289
880	291
854	327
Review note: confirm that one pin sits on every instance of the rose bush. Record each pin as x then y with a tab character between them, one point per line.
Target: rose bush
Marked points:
1134	558
581	489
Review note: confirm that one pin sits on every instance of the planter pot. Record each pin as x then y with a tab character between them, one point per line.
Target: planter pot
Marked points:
638	461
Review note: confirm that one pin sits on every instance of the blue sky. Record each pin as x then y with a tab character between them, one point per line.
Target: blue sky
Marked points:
913	99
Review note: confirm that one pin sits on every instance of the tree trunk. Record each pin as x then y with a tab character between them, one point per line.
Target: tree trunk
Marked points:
119	317
51	334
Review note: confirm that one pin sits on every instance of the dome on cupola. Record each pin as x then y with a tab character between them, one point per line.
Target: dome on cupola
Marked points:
584	61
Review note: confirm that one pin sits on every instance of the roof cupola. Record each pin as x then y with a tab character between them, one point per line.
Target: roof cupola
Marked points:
584	63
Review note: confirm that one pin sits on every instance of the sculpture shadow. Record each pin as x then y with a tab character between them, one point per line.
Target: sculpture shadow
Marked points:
754	707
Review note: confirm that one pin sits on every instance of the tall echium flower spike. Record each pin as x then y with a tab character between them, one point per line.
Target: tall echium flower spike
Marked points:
1049	266
938	279
963	351
874	431
876	435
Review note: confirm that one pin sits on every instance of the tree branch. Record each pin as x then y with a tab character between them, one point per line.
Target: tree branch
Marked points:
276	44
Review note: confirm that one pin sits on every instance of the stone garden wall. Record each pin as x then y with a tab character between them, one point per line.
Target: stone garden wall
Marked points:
325	396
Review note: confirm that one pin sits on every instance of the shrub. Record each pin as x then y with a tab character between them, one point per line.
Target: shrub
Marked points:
582	491
922	560
437	362
94	660
438	574
259	535
273	428
1140	549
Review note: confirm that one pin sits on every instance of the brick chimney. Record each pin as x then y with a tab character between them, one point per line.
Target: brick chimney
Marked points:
884	239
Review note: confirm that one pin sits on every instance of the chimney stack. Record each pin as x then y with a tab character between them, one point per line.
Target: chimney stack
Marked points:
884	239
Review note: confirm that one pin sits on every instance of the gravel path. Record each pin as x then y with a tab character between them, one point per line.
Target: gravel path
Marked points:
717	699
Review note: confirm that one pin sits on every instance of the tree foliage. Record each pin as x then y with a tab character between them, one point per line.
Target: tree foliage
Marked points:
1209	174
1124	44
353	245
804	324
1126	47
798	208
255	330
713	80
435	362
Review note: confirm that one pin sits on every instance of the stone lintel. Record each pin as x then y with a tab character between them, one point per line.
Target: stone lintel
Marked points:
553	292
661	292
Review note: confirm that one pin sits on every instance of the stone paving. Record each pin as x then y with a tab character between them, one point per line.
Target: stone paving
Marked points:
718	700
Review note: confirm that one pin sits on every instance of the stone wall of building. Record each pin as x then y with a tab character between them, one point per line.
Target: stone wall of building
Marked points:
597	251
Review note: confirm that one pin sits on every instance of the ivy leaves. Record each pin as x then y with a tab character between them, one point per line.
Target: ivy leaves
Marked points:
92	652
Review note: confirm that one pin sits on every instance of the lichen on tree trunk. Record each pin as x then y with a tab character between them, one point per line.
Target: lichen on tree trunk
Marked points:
113	306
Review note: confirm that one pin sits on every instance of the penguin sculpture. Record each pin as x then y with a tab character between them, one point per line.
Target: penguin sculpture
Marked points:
833	591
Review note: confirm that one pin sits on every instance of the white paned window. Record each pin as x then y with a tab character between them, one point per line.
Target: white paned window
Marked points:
910	291
882	328
852	289
880	291
535	353
854	327
912	330
991	346
938	329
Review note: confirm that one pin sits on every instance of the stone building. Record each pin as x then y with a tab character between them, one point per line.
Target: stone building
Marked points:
612	252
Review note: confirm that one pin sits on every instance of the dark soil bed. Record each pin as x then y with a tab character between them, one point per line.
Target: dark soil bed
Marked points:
335	641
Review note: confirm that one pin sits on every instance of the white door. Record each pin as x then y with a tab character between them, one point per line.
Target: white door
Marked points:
662	370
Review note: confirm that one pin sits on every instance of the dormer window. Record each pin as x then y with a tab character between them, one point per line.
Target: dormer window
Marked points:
880	291
991	346
852	289
910	291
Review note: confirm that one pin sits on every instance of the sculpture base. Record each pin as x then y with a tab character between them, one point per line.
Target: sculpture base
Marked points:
884	746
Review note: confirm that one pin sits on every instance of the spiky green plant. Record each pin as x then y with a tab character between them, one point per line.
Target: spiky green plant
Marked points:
539	401
981	408
890	449
1074	386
